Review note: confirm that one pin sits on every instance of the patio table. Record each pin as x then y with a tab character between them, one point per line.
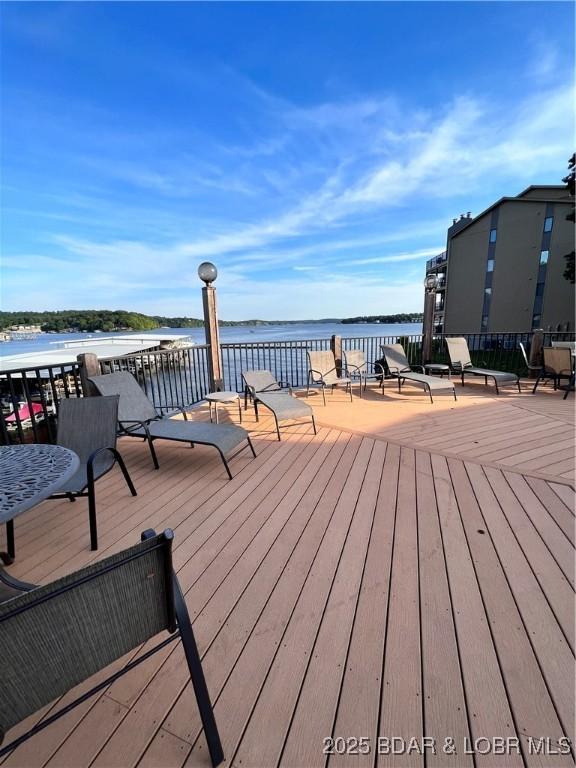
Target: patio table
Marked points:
29	474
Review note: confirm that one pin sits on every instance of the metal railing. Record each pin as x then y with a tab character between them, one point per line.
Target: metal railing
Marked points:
171	378
179	377
30	398
285	359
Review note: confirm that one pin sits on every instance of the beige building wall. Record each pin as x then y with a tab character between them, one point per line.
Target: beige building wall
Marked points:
516	266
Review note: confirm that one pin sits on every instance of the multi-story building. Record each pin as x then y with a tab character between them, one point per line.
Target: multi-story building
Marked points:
503	269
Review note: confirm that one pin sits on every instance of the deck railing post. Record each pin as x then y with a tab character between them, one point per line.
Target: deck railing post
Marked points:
207	272
336	347
535	358
89	366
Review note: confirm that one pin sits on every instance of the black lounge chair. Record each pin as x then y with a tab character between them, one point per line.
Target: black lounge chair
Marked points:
138	418
88	426
461	363
54	637
400	369
263	388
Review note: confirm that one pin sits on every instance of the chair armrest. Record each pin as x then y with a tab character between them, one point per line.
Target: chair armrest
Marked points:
135	424
171	410
417	368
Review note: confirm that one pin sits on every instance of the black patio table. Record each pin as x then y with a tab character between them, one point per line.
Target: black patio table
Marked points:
29	474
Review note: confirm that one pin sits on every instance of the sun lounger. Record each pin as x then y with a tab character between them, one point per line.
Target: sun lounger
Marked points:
356	367
400	369
461	363
263	388
138	418
322	372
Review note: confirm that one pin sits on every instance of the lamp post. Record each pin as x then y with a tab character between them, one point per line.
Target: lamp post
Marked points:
430	284
207	272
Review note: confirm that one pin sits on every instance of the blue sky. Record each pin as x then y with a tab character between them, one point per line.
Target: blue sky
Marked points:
316	152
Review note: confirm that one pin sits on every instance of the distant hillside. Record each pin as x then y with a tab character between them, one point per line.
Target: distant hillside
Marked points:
414	317
120	320
117	320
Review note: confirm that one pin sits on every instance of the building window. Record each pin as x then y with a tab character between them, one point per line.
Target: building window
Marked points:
536	321
544	257
493	234
490	265
548	222
488	292
485	323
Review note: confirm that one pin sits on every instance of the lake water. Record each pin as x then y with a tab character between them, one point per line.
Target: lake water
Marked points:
230	334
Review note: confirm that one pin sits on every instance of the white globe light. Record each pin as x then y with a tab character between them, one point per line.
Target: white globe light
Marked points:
207	272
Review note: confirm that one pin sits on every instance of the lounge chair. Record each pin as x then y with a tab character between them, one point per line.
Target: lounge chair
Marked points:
88	426
557	365
137	417
322	372
400	369
263	388
54	637
356	367
461	363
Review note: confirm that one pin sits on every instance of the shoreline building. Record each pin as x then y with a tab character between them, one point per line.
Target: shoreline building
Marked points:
503	269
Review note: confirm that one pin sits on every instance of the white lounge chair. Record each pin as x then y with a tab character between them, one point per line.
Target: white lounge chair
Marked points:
461	363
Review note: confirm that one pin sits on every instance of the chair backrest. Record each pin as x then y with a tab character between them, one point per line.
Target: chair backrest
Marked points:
320	364
260	381
571	345
134	405
86	424
355	359
458	352
557	360
58	635
395	357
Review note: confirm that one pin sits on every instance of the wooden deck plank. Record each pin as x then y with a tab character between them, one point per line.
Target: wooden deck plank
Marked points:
553	583
532	709
260	616
315	712
566	494
488	707
401	705
359	705
525	628
263	738
445	711
555	507
554	538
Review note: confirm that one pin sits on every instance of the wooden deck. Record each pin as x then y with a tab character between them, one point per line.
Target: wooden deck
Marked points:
407	572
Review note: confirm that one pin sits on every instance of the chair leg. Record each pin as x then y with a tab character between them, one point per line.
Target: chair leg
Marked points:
239	410
226	463
92	510
277	427
251	447
536	385
314	424
454	393
8	557
349	386
197	677
496	385
125	472
323	394
430	394
256	410
153	453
